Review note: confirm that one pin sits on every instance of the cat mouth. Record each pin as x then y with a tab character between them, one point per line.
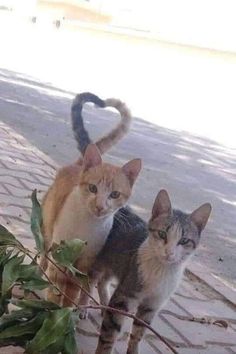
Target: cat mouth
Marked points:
100	215
169	260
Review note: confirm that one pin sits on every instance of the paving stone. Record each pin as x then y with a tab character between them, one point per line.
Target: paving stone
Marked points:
168	332
4	179
209	350
30	186
14	174
188	289
2	191
18	192
27	168
215	308
199	334
14	211
10	200
44	180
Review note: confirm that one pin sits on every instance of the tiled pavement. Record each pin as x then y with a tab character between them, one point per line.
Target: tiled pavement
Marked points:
197	320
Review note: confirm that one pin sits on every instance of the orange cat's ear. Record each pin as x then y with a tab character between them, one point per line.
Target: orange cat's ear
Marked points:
162	204
131	169
92	157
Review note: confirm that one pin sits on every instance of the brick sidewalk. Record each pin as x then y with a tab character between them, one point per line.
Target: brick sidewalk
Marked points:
188	320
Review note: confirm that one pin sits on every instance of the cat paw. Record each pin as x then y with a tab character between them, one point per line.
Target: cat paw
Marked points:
83	315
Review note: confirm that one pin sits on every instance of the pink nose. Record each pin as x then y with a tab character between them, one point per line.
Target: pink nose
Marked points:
99	208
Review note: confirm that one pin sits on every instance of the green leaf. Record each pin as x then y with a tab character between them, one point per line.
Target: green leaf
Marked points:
36	222
14	317
7	238
70	345
4	301
10	273
4	256
28	327
18	341
68	252
35	284
53	328
55	348
31	276
35	304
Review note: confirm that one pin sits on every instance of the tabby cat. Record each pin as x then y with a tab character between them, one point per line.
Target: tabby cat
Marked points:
148	263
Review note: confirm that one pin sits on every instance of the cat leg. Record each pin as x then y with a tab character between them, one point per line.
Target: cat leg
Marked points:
103	292
146	313
63	282
84	298
57	278
71	290
112	323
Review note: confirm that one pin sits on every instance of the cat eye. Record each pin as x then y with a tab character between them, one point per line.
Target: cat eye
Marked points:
114	194
162	234
93	188
183	241
187	241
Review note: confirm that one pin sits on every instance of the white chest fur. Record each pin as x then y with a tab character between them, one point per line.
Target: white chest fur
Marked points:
160	281
75	221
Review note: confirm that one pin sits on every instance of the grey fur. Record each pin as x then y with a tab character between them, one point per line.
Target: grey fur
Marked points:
145	282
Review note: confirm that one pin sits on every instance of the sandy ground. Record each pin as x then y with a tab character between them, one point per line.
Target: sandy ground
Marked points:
188	90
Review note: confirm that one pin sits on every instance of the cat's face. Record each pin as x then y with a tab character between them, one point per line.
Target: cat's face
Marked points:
174	235
104	187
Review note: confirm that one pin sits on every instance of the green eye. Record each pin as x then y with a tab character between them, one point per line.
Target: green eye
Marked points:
114	194
162	234
93	188
184	241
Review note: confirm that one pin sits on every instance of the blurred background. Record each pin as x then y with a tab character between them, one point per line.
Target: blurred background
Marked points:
173	61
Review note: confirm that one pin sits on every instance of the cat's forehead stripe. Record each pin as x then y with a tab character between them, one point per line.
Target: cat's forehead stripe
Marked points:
175	231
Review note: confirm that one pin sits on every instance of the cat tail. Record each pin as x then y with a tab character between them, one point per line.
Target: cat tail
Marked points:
108	140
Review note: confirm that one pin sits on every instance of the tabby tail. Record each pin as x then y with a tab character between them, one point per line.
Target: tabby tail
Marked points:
107	141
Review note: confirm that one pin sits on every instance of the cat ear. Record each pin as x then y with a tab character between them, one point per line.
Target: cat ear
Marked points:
131	169
162	204
200	216
92	157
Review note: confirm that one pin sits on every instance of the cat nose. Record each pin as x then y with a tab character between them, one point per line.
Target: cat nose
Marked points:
99	208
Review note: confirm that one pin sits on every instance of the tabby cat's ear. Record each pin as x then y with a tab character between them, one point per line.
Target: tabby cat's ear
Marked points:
131	169
200	216
162	204
92	157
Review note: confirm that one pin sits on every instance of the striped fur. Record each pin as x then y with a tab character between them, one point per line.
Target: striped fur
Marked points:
147	265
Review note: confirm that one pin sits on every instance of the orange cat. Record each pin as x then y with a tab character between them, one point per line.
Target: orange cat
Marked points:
84	197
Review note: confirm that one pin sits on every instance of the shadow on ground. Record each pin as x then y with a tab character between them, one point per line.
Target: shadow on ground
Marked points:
193	169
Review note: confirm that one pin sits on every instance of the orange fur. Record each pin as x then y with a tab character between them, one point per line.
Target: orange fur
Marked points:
70	209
